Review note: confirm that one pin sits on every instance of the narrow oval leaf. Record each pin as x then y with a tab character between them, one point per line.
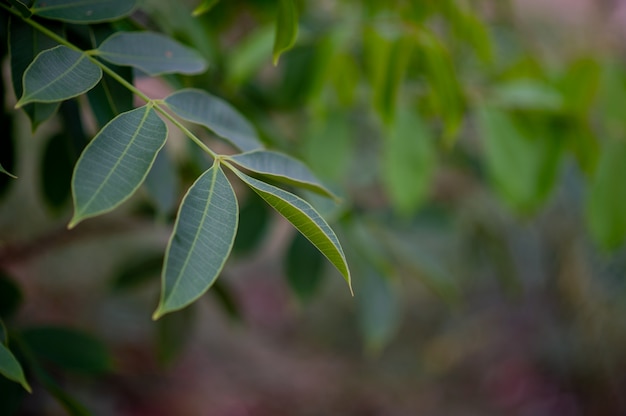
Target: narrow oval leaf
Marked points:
151	53
201	242
116	162
58	74
11	368
217	115
286	28
282	168
305	218
83	11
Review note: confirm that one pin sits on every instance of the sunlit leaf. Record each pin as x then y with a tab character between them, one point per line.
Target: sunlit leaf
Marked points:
116	162
83	11
152	53
304	217
58	74
204	7
281	168
25	43
201	242
217	115
606	203
68	349
11	368
408	162
286	28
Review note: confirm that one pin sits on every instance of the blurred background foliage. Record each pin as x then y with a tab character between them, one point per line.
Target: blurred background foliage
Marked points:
479	151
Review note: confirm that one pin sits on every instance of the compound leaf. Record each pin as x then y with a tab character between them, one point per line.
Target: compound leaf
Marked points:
151	53
201	242
58	74
217	115
83	11
11	368
282	168
305	218
116	162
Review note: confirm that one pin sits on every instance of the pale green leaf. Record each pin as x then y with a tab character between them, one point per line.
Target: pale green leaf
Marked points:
281	168
58	74
151	53
217	115
286	28
606	203
3	170
204	7
201	242
250	54
11	368
116	162
527	94
408	162
83	11
305	218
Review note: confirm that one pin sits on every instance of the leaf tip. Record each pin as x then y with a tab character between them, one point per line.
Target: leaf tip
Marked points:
158	314
74	222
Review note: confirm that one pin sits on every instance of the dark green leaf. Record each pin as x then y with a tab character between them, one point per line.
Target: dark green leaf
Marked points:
25	43
306	220
162	184
11	368
253	220
304	265
10	296
116	162
281	168
58	74
56	171
223	295
83	11
201	242
69	403
606	203
68	349
286	28
151	53
217	115
22	8
109	98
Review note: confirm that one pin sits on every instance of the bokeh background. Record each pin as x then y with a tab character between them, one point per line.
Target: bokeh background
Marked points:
479	150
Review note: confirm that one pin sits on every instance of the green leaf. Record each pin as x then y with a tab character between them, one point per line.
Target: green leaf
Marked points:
25	43
109	97
606	202
116	162
22	8
281	168
3	170
11	368
286	28
204	7
217	115
254	216
304	265
162	184
201	242
305	218
10	297
408	162
250	54
68	349
83	11
152	53
527	94
328	146
58	74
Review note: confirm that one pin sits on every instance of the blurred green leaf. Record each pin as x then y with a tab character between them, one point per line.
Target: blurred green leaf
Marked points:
204	7
304	265
251	53
11	368
56	171
281	168
226	300
328	146
306	220
109	98
286	28
83	11
606	203
201	241
162	183
116	162
68	349
409	161
58	74
527	94
253	221
10	296
152	53
217	115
